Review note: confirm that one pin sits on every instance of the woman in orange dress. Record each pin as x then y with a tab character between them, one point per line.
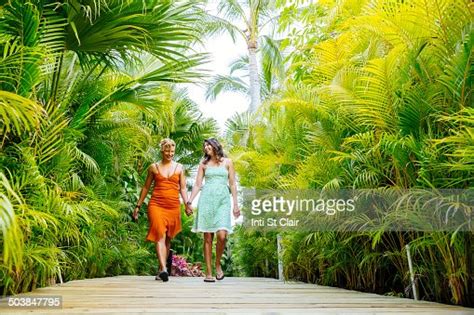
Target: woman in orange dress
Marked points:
164	214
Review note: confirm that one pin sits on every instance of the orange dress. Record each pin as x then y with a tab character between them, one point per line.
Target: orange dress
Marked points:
164	212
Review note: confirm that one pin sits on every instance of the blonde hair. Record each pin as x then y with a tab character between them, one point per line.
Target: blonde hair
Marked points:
166	144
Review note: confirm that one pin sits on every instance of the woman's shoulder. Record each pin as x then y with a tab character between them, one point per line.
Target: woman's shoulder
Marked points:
153	168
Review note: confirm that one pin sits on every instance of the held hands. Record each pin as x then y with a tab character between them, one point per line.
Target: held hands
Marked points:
189	209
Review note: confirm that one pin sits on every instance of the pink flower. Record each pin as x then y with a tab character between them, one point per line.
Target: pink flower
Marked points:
181	268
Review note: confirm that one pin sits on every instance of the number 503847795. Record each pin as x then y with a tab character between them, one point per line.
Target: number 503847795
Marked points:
34	301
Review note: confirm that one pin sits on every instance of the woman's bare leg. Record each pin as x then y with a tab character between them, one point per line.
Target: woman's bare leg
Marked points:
167	259
220	246
208	237
162	252
168	245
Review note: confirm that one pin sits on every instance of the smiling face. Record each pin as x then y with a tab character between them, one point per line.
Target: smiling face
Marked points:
167	147
212	150
208	149
167	154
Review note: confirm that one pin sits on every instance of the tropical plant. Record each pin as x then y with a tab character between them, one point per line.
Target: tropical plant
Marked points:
254	15
87	91
378	96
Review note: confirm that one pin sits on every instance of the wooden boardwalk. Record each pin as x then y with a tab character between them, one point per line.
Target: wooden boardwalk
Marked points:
134	294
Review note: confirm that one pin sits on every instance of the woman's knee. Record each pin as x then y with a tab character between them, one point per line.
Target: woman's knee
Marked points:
208	238
161	241
221	237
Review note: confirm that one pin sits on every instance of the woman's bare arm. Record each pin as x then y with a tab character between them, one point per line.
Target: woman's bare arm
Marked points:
183	191
198	183
233	188
144	191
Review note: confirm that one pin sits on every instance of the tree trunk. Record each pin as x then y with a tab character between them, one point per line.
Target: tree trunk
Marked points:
254	78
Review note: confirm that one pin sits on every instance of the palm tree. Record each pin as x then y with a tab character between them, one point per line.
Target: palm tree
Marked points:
238	127
80	115
376	101
271	78
249	13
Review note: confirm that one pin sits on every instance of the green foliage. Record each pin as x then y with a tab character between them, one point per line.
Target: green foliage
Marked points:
254	254
378	95
86	93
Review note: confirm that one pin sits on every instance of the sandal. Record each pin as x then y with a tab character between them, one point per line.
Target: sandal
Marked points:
220	276
163	276
206	279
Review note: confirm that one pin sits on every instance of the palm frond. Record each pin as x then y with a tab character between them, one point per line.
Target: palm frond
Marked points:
82	157
21	23
11	233
232	10
48	139
215	25
177	71
223	83
272	60
163	29
459	71
18	114
239	64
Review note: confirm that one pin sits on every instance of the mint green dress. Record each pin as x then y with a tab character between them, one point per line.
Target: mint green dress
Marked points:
214	209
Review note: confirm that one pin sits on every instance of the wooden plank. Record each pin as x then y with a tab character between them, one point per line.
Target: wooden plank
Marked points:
142	294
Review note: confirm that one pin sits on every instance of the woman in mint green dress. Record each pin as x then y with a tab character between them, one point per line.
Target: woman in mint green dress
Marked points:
214	206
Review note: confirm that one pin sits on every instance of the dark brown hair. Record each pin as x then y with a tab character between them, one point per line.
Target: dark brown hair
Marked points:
216	147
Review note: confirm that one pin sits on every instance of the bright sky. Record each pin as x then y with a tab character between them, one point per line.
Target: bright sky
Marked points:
223	51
